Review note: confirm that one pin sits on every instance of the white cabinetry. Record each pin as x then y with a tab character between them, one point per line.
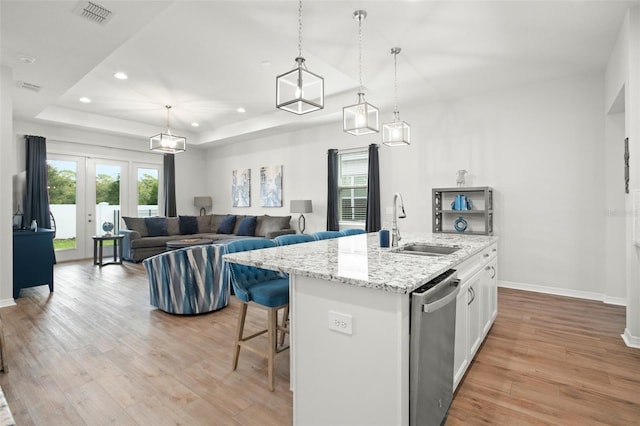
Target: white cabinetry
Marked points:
474	302
490	295
476	307
461	352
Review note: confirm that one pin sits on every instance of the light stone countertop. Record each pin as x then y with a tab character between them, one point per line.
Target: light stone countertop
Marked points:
358	260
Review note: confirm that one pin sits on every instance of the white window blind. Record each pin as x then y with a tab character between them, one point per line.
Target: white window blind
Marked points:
352	191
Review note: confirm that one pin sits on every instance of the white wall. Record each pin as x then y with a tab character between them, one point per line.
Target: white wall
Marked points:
6	191
622	79
541	147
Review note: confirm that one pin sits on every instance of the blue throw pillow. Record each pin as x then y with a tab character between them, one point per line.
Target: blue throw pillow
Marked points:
156	226
227	225
247	227
188	225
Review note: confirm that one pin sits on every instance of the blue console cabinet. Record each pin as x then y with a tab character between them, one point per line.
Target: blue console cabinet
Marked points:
33	259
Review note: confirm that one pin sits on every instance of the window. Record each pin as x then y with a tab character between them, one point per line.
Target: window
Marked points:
147	191
352	185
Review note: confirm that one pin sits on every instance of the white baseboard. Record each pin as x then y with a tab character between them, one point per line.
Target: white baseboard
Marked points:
629	340
564	292
7	302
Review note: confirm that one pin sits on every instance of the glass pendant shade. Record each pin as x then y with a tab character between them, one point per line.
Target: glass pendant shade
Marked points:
299	91
166	142
397	132
361	118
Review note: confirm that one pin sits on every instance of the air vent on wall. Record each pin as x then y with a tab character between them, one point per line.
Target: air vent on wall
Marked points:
29	86
93	12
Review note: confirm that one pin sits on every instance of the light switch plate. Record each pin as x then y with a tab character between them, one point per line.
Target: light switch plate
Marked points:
342	323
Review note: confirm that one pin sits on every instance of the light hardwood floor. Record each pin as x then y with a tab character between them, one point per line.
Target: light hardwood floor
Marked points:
96	352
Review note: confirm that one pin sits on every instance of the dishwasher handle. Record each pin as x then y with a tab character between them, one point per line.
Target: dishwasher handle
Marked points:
451	294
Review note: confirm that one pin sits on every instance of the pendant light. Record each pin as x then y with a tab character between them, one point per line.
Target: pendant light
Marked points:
396	133
361	118
299	91
166	142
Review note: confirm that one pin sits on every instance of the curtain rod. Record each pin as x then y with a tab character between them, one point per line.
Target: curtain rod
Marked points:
340	151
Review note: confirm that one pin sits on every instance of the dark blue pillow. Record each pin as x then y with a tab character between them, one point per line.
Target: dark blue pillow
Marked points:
156	226
188	225
227	225
247	227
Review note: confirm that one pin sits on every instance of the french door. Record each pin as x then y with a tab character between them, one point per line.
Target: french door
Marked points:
87	197
107	196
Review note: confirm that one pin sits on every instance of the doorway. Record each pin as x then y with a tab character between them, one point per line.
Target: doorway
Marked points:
88	197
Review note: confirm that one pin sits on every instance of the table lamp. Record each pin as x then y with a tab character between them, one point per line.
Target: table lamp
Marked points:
202	203
301	206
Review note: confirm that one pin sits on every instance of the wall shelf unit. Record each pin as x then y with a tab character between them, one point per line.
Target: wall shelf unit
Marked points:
473	214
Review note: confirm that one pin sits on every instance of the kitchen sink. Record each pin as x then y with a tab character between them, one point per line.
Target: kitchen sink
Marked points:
426	250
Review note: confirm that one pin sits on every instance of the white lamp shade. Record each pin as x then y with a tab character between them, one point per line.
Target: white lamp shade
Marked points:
301	206
203	201
396	133
299	91
168	143
361	118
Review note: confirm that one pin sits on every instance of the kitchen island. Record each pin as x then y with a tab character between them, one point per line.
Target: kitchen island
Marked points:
350	309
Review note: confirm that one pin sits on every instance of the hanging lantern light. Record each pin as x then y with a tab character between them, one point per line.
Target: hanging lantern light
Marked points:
398	132
166	142
361	118
299	91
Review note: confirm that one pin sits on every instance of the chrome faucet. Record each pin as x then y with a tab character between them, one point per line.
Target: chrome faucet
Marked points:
395	232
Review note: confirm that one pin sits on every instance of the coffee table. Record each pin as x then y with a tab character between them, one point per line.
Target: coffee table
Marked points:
187	242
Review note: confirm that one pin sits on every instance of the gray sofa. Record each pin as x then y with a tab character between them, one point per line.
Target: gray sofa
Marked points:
146	237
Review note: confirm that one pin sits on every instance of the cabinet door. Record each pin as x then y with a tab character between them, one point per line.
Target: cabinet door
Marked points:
474	320
489	295
461	351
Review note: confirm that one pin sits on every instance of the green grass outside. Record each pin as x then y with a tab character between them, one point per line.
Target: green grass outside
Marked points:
70	243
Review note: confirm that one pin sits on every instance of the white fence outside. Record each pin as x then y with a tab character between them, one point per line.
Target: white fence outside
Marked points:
65	217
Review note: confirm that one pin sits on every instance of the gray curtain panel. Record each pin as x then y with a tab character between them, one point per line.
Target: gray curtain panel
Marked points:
170	208
373	191
332	191
36	202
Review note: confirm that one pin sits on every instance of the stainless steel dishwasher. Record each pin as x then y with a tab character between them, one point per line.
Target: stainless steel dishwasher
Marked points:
433	326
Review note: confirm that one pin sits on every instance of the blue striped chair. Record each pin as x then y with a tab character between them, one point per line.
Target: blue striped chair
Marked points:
285	240
326	235
188	281
262	288
352	231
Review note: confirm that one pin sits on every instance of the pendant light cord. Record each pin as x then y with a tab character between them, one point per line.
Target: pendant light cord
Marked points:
360	49
395	75
300	28
168	107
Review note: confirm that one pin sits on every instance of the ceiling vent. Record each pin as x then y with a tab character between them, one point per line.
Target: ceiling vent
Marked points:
29	86
93	12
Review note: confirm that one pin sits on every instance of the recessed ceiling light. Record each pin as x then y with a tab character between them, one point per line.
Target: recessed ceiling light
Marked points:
85	100
265	63
195	124
241	110
26	59
120	75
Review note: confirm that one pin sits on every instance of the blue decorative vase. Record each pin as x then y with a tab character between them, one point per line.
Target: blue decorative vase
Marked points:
107	227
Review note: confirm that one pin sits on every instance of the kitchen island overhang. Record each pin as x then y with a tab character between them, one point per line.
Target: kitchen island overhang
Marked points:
350	321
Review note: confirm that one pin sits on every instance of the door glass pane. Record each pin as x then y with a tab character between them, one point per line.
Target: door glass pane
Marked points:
107	197
147	192
62	177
